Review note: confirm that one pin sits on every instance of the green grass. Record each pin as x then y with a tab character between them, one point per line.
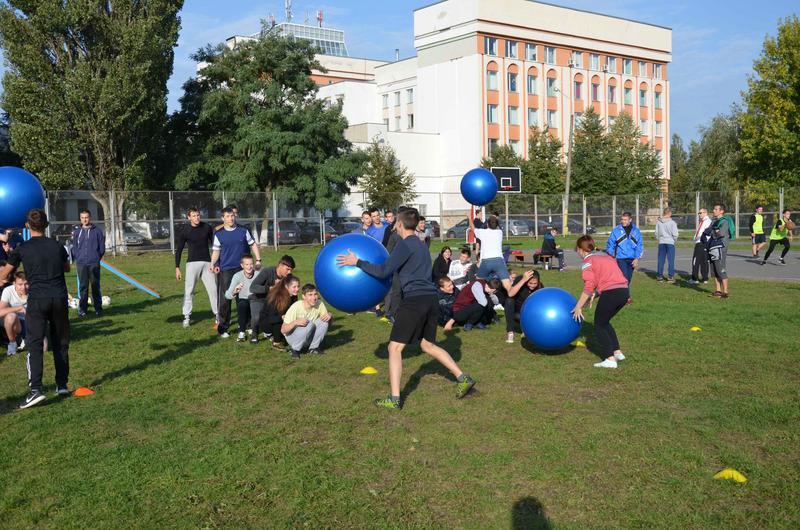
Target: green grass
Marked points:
188	431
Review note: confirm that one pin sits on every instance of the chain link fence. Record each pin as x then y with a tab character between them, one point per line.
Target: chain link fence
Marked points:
149	220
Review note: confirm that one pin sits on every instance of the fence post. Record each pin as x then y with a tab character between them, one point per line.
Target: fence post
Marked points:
224	199
736	214
637	212
613	211
112	202
274	221
506	194
171	224
660	202
780	202
536	216
696	210
584	213
322	228
441	218
47	212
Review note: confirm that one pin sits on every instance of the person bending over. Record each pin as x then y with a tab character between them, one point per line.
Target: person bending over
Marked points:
279	299
448	293
521	289
240	290
12	312
474	306
306	323
492	263
601	273
418	313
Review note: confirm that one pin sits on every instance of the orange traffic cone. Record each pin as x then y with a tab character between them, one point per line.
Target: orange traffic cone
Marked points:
83	391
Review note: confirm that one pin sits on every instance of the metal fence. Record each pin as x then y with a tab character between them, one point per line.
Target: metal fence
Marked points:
148	220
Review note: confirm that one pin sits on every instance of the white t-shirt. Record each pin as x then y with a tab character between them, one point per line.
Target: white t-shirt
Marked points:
491	242
458	272
12	298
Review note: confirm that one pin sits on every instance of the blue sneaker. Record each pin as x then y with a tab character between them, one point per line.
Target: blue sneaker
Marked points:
480	325
468	327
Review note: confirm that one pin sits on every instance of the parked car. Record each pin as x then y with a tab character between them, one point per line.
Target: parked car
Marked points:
433	227
288	232
346	227
459	230
520	227
132	237
310	232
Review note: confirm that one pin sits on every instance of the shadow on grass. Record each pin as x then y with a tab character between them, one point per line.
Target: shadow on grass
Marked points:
586	333
337	336
452	345
86	328
528	514
171	354
197	317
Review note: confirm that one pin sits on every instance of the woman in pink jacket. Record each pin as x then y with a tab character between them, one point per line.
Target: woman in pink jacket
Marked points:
601	273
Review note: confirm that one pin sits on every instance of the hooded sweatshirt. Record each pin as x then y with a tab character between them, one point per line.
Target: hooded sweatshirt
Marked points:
666	231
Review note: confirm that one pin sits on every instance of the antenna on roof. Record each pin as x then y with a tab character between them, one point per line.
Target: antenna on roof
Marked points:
271	20
288	7
320	17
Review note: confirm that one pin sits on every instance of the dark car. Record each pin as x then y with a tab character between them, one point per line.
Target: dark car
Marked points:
288	232
433	228
310	232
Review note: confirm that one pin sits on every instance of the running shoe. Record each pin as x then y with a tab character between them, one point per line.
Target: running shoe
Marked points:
224	335
187	322
463	387
34	397
316	351
63	391
294	355
241	337
387	403
782	261
510	337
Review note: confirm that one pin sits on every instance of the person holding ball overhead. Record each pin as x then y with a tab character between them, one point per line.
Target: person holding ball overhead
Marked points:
418	314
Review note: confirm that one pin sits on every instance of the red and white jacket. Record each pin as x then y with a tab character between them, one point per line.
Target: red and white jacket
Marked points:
601	273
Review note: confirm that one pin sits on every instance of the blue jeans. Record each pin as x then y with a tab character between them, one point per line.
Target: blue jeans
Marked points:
626	266
666	252
493	267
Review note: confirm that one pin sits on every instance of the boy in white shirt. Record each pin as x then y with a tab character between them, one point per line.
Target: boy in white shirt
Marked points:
13	302
460	269
306	323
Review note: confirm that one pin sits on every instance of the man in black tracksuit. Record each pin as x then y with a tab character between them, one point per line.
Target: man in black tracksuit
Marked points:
45	262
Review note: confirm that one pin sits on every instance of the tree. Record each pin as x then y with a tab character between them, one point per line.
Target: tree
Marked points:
85	89
544	169
770	126
386	182
635	166
678	161
251	122
593	172
714	161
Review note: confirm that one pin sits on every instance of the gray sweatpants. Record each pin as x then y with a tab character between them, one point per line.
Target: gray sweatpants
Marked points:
196	270
310	335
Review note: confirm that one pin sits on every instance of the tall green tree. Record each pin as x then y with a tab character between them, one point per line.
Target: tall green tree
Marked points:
678	161
85	89
544	169
715	159
635	166
386	182
251	122
593	171
770	125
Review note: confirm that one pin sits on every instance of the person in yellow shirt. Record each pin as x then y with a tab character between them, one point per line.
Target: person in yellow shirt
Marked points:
781	235
306	323
757	235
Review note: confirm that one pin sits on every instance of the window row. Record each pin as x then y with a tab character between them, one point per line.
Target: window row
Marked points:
409	98
492	117
608	63
397	124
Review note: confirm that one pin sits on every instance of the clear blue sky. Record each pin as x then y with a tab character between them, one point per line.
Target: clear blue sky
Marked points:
714	42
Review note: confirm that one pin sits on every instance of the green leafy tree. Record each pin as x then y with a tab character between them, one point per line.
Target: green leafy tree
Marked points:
635	167
715	159
251	122
544	169
386	182
85	89
770	126
678	162
593	171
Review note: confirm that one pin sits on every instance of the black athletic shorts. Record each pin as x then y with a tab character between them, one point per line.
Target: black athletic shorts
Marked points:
759	238
416	319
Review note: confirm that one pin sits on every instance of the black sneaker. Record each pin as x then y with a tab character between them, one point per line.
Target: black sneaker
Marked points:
295	355
81	314
782	261
763	263
316	351
63	391
34	397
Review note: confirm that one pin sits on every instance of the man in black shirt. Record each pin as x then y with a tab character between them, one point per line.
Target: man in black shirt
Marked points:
45	262
198	236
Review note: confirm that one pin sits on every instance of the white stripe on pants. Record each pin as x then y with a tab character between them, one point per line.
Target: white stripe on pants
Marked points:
196	270
314	333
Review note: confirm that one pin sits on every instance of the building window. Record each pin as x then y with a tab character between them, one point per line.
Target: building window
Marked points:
577	59
386	101
594	61
595	92
533	117
409	95
490	44
491	80
551	87
532	79
642	69
513	115
552	119
642	98
397	123
549	55
397	99
659	130
612	94
530	52
514	144
511	49
657	71
512	82
643	127
492	145
657	99
410	121
491	113
577	90
627	66
628	96
611	65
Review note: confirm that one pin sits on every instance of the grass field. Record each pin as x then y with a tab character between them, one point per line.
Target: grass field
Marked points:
186	430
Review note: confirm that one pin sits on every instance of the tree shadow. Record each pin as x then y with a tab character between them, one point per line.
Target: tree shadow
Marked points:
340	337
90	328
175	352
529	514
197	316
11	403
451	344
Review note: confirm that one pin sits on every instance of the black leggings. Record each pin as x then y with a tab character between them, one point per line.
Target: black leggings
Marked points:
512	316
474	314
773	243
609	305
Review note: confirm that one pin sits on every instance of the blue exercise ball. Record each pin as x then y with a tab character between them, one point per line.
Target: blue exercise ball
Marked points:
479	186
350	289
546	318
19	193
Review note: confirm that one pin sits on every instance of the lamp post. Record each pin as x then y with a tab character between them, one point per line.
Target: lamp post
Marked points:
565	209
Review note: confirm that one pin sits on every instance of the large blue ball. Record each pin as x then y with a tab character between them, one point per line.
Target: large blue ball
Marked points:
479	186
350	289
19	193
546	318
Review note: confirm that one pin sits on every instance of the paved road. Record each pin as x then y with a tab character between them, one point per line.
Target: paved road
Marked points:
740	264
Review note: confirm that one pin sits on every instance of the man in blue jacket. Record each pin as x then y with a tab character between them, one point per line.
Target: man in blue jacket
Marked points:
88	248
625	245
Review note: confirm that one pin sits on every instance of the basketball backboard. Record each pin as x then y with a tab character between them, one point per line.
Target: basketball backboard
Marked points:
509	179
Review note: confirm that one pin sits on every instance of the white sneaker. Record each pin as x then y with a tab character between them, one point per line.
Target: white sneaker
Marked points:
241	337
21	345
224	335
264	335
608	363
12	348
186	322
510	338
619	356
249	332
498	307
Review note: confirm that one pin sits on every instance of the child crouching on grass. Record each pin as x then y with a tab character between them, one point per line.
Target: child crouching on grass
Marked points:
306	323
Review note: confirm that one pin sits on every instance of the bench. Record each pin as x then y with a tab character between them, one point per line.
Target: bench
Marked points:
529	257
